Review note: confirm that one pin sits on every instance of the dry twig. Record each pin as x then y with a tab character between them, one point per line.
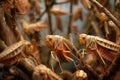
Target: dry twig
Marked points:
70	17
4	33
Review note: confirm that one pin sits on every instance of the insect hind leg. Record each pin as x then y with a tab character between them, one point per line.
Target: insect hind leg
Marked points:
55	58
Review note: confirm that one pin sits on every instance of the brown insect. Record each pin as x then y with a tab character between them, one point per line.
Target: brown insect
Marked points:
10	54
59	23
103	17
78	14
20	5
41	72
58	11
31	28
75	28
103	47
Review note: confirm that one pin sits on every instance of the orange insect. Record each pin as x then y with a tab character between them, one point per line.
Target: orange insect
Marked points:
20	5
31	28
62	47
78	14
58	11
57	44
59	23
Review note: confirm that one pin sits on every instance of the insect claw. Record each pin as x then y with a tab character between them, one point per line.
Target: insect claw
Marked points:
60	67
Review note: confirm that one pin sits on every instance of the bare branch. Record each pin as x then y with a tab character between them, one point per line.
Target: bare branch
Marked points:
58	3
48	5
41	15
70	17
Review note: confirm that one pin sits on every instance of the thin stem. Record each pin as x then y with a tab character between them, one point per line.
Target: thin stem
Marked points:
41	15
94	26
48	7
70	17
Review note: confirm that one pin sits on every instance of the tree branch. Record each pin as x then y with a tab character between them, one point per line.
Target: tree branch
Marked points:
48	5
70	17
41	15
58	3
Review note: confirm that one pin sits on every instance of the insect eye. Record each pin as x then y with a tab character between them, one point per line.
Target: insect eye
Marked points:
50	39
83	37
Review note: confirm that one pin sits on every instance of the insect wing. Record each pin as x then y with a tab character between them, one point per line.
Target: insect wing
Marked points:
108	44
10	49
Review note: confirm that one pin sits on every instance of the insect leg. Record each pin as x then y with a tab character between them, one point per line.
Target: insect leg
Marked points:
56	59
77	52
70	59
52	59
82	52
92	44
102	60
94	47
60	66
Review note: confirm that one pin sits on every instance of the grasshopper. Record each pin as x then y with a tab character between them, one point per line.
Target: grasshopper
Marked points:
96	43
61	46
41	72
63	49
12	51
20	5
87	39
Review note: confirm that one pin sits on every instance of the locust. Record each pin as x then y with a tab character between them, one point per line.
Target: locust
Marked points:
41	72
11	52
102	46
87	39
62	47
